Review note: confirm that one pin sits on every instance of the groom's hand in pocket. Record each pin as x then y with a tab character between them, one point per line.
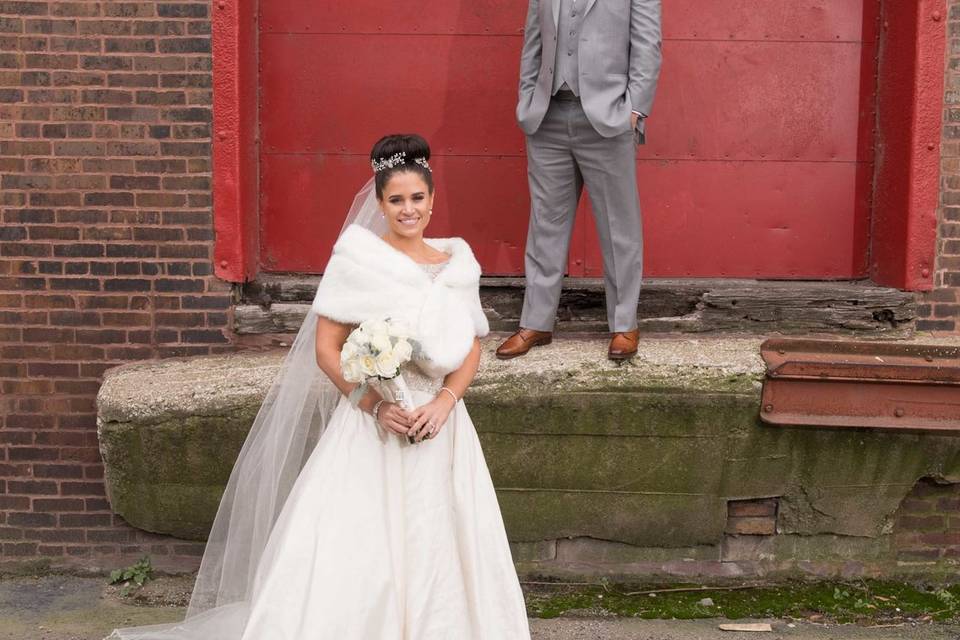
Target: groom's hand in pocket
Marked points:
393	417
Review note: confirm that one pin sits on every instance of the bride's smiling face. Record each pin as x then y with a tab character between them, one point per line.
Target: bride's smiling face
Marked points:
407	204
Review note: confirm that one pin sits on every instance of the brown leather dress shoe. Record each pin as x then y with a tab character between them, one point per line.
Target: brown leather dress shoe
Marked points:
522	341
623	345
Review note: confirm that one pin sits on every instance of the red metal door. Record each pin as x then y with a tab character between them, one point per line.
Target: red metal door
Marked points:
758	162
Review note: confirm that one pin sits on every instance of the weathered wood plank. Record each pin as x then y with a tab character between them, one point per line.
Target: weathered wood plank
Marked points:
277	304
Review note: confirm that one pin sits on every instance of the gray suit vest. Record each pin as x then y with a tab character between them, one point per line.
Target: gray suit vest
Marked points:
568	41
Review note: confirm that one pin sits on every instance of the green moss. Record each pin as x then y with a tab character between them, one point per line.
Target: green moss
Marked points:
864	602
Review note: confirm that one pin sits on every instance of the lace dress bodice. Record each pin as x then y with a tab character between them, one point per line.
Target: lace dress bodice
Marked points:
414	375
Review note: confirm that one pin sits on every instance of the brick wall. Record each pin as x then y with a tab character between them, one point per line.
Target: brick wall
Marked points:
927	525
940	309
105	247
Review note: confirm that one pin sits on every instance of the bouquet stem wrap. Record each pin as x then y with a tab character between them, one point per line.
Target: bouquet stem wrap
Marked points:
399	391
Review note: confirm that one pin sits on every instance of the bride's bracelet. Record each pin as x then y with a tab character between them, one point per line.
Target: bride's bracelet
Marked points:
452	394
375	412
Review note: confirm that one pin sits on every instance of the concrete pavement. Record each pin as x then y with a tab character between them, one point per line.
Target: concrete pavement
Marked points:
61	607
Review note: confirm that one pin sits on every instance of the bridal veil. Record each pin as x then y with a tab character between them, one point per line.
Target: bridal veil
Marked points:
291	420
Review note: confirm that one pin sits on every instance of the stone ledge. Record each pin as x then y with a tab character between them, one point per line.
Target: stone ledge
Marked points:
214	386
645	455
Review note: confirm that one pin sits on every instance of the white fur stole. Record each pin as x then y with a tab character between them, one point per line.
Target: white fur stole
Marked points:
367	278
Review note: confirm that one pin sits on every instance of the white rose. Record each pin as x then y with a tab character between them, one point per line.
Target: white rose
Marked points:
357	337
368	365
387	364
348	351
381	342
351	371
402	350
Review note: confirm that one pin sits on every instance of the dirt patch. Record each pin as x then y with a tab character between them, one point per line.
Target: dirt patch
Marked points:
162	591
63	607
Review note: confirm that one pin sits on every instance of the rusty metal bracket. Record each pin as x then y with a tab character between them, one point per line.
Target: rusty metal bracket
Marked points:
840	383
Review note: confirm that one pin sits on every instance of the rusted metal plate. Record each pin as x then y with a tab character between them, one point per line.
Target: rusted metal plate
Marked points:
861	384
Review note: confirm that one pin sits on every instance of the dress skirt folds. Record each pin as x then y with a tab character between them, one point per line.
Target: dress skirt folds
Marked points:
377	538
385	540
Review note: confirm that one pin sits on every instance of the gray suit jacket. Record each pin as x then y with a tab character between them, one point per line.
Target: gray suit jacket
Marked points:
619	62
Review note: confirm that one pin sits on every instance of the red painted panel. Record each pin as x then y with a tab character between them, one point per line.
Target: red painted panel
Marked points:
910	102
759	101
305	198
757	136
396	16
460	93
773	20
698	223
717	100
795	20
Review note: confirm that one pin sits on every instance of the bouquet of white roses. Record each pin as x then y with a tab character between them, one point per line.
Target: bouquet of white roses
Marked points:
375	351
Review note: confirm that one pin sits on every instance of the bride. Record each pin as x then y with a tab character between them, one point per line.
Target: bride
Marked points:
348	517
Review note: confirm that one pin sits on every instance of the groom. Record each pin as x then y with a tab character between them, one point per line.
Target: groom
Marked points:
588	73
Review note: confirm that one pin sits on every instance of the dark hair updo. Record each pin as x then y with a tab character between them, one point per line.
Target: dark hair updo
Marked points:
407	150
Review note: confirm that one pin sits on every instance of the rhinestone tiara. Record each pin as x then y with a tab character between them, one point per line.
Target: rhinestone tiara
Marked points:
396	160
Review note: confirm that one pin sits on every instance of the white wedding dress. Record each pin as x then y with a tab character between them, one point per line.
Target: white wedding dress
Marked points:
385	540
361	535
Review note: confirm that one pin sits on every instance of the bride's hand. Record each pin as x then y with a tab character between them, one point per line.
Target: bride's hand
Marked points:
393	417
428	419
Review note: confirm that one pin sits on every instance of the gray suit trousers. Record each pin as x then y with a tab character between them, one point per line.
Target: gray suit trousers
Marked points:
565	153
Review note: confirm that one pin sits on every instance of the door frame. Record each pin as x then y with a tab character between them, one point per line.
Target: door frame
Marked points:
906	180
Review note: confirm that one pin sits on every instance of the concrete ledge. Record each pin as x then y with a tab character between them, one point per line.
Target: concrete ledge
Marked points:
599	468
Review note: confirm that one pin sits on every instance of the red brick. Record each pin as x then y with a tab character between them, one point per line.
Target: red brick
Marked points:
763	526
87	387
8	503
67	421
109	535
31	454
19	549
82	489
915	555
922	523
757	508
72	471
940	539
26	387
58	504
85	520
30	519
